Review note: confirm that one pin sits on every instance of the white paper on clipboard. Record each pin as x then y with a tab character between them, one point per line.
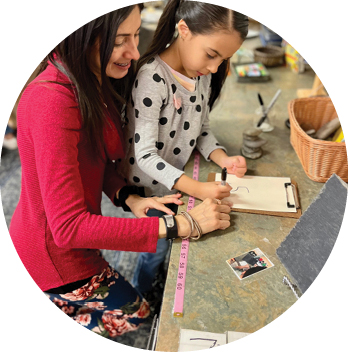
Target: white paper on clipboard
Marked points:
260	193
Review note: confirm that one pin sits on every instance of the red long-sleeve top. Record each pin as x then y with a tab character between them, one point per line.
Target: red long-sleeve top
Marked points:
57	225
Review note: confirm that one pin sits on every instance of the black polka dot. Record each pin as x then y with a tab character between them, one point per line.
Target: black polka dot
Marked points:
163	120
131	161
154	182
163	103
186	125
147	102
136	111
193	99
136	83
159	145
192	142
217	143
204	134
202	97
146	155
177	151
160	166
172	134
173	88
180	111
198	108
156	78
151	60
132	102
136	137
136	179
164	82
130	140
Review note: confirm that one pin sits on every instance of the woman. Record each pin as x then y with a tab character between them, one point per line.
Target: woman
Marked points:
69	135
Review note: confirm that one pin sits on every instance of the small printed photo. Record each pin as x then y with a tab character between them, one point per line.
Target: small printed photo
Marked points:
249	263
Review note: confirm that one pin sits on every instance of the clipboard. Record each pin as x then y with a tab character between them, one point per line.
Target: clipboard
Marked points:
296	205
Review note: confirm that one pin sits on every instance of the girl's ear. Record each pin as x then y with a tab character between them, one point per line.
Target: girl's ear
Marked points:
183	29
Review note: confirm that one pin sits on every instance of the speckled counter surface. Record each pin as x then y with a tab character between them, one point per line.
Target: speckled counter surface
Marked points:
215	299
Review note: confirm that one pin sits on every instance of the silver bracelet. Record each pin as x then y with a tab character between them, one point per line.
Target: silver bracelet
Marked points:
194	226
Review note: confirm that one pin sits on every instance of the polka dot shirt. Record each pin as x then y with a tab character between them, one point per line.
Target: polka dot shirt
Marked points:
164	123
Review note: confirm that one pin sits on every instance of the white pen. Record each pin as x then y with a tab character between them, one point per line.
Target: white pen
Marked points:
274	99
223	176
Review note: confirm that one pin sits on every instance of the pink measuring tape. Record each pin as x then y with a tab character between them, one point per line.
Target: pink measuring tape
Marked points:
180	281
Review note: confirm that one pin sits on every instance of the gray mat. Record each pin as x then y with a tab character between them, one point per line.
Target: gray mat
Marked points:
309	244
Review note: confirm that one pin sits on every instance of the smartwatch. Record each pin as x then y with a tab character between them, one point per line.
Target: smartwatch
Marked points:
171	227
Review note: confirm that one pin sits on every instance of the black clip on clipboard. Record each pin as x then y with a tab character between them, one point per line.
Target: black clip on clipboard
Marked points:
294	190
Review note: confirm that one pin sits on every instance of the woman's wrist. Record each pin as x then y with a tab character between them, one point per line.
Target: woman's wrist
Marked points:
162	232
183	226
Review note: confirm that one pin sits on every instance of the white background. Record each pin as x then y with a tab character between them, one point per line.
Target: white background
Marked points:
29	30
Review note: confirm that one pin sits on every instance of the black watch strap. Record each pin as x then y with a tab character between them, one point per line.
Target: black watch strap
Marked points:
171	227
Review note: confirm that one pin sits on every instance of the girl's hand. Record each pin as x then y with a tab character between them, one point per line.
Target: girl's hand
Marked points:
213	190
235	165
140	206
212	215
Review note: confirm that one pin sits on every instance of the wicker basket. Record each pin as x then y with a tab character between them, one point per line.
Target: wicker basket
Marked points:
269	55
320	159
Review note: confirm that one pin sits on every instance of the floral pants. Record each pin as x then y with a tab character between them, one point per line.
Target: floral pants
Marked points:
108	305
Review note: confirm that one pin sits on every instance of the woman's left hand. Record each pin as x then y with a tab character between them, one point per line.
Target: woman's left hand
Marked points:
140	206
235	165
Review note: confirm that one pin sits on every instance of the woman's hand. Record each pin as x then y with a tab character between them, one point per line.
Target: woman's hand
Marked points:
212	190
140	206
211	215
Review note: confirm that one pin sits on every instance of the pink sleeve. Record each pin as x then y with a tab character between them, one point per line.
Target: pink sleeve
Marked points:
54	127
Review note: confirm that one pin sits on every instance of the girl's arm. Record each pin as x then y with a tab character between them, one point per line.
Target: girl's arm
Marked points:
202	190
148	95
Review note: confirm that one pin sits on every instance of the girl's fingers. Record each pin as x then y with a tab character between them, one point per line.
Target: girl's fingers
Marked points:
170	200
177	195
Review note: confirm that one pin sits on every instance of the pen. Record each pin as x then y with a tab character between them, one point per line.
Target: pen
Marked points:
223	176
263	118
261	103
274	99
264	114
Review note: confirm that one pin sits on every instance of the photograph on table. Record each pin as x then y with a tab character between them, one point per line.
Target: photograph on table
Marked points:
249	263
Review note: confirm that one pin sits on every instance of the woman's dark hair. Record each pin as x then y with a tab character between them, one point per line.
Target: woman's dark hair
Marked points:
72	55
201	18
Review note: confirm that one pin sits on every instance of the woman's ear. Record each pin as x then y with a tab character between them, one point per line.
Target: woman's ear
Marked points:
183	29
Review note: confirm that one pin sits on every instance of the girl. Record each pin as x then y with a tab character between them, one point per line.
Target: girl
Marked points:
175	88
69	134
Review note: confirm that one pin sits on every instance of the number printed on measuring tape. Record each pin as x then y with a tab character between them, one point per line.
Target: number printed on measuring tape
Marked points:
180	282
